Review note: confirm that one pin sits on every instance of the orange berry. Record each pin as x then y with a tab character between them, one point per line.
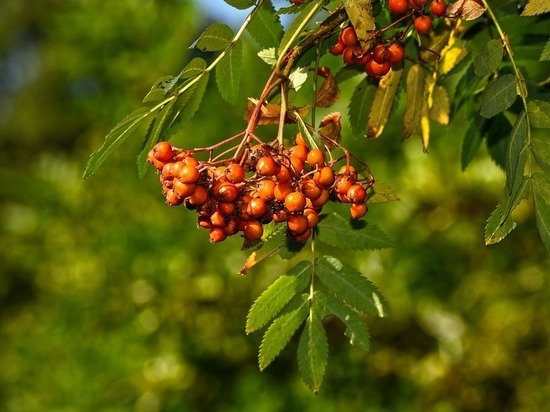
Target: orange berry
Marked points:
295	202
230	227
187	173
312	217
199	196
217	234
191	161
280	216
163	152
235	172
315	157
356	193
253	230
338	48
358	210
321	200
266	190
311	190
281	190
284	174
397	52
297	164
257	207
300	151
378	69
217	219
266	166
343	183
297	224
183	189
324	177
381	54
438	8
228	192
226	208
299	140
348	170
304	236
172	198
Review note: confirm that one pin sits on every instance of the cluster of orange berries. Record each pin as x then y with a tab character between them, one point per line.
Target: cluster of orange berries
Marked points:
269	184
378	59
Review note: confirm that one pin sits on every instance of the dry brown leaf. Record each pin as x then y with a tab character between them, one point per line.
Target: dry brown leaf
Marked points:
270	113
331	127
465	9
329	92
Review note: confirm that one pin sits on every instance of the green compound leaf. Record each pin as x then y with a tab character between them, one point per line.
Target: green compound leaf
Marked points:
498	96
350	286
359	106
153	136
381	193
541	197
340	232
539	114
356	330
265	27
240	4
313	353
489	58
540	148
312	138
281	330
228	73
187	103
216	37
276	296
159	89
195	67
115	138
516	155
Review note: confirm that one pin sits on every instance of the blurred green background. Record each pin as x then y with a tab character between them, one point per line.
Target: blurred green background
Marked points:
112	301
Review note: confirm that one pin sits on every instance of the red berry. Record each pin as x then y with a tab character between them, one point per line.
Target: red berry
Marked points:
349	55
423	24
379	69
398	6
438	8
381	54
397	52
348	36
338	48
417	4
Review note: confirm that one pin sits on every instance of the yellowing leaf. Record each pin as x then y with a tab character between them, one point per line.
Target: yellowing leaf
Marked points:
383	102
440	107
451	58
362	20
535	7
415	98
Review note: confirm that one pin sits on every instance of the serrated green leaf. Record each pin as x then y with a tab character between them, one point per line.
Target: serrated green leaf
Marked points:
187	104
516	153
276	296
240	4
228	73
541	198
115	138
488	59
340	232
313	353
351	286
536	7
498	96
539	114
298	25
195	67
268	55
356	330
382	104
312	138
511	200
265	27
359	106
381	193
153	136
545	55
471	143
540	148
158	90
498	226
415	100
216	37
281	330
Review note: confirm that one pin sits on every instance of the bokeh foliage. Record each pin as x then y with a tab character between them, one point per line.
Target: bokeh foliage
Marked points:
112	301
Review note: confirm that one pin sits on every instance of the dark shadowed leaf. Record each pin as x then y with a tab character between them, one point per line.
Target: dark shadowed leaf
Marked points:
498	96
539	114
359	106
489	58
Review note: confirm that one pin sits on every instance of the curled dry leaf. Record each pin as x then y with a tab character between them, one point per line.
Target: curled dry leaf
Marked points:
270	113
329	92
465	9
330	127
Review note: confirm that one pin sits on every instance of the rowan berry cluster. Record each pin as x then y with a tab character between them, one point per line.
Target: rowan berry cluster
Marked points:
378	58
267	184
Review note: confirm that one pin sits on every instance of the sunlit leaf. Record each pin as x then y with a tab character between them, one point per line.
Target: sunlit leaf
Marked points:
228	73
216	37
240	4
115	138
351	286
414	100
313	353
489	57
330	128
382	104
425	116
298	77
356	330
362	19
498	96
545	55
435	42
268	55
451	58
539	113
536	7
281	330
441	107
277	295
